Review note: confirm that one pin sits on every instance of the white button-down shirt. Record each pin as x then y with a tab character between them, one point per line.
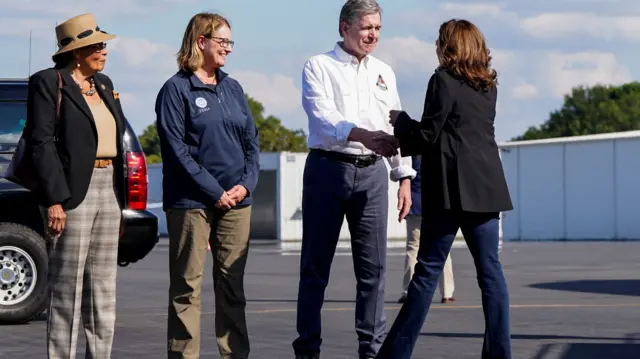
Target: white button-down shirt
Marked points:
340	93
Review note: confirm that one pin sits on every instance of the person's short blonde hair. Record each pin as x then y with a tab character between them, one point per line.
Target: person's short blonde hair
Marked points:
190	57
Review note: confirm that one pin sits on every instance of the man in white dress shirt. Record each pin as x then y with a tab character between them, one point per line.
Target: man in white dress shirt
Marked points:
347	95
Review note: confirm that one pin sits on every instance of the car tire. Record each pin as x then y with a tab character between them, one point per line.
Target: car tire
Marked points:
20	249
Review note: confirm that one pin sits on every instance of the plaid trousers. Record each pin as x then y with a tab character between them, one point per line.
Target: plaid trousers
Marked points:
82	273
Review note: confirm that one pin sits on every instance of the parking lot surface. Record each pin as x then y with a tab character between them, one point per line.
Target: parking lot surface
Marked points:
569	301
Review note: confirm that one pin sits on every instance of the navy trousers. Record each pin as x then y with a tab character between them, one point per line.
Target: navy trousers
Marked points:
331	191
481	232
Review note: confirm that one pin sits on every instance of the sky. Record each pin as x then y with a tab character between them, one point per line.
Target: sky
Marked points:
541	49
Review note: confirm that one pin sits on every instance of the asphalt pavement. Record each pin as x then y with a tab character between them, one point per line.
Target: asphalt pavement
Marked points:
569	301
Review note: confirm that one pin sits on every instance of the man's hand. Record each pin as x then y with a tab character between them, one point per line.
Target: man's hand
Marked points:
56	219
368	139
389	140
393	116
226	202
238	193
404	198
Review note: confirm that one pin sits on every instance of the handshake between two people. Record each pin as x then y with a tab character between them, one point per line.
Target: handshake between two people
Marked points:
379	142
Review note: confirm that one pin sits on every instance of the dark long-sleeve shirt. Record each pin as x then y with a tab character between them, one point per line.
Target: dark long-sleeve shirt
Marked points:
208	139
416	193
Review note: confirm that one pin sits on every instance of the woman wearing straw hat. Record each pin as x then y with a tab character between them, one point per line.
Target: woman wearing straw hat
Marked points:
76	144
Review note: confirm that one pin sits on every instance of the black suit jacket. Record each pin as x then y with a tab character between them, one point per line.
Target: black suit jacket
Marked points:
461	166
64	168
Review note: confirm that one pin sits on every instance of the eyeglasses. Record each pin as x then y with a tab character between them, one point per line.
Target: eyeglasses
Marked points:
97	47
221	40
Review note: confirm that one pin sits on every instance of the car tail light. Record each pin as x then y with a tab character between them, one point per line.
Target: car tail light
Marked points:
137	181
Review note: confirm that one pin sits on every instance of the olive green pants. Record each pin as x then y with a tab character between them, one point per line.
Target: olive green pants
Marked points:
189	232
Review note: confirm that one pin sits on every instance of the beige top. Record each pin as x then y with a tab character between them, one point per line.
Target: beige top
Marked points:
106	125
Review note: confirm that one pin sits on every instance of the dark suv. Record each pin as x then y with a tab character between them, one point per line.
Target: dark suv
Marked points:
23	250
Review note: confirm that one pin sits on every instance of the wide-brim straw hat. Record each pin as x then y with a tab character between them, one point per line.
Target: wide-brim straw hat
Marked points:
79	31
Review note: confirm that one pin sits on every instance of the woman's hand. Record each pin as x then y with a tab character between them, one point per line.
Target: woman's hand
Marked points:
371	140
226	202
238	193
57	219
393	116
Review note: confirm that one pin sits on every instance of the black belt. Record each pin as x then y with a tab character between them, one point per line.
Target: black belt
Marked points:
356	160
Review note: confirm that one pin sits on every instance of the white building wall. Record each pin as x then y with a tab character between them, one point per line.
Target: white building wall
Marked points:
541	186
627	184
291	170
590	190
576	188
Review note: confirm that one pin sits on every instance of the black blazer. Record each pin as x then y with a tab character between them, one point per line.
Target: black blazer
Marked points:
461	167
64	168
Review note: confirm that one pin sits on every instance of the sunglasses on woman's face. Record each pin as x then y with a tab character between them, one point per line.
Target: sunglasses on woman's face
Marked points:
97	47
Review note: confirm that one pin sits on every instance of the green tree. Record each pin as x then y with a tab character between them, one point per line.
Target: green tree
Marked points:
274	137
586	111
150	143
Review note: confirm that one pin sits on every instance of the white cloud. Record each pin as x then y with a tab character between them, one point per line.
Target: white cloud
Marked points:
569	24
621	21
68	8
277	93
533	74
139	52
478	11
462	9
524	91
564	71
406	55
522	74
40	29
502	60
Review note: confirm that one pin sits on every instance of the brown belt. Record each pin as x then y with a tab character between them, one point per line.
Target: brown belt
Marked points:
102	163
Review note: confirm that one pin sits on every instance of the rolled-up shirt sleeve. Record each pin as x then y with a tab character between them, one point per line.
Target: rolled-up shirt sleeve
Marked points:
401	167
170	112
324	118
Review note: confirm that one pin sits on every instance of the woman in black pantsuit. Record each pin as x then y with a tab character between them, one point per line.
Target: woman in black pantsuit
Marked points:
463	186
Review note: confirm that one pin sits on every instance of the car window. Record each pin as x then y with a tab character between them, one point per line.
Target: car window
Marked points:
13	116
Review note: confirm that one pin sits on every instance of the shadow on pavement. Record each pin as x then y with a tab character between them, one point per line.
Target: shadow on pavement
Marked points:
628	348
629	287
520	336
345	301
42	317
588	351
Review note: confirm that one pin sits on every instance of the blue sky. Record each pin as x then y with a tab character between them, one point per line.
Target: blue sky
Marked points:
540	48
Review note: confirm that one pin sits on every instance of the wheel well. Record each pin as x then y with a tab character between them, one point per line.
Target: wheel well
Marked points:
20	207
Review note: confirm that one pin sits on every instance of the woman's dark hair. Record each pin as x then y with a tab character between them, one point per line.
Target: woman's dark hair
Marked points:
63	60
464	53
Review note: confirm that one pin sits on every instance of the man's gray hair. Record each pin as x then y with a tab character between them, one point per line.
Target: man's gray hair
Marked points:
353	10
